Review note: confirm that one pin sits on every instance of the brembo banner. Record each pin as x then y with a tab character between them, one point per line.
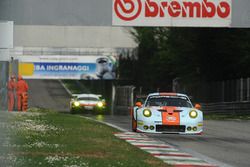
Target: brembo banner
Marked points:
188	13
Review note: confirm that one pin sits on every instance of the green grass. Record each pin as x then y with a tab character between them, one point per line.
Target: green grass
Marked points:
46	138
227	116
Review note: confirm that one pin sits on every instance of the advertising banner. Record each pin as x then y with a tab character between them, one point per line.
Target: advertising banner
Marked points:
178	13
68	67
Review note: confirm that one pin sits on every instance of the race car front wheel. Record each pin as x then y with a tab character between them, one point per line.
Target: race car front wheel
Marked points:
72	111
134	124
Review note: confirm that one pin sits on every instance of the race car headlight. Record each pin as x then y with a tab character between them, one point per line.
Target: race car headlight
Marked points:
147	113
76	104
100	104
193	114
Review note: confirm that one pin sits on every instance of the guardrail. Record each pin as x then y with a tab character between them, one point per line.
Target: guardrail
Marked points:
227	107
240	95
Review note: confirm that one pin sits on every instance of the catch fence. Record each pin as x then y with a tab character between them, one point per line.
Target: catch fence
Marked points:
232	96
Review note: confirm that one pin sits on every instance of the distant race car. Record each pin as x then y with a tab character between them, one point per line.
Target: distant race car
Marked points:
167	113
87	103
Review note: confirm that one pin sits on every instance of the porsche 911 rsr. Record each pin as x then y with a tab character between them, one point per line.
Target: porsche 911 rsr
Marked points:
87	103
167	113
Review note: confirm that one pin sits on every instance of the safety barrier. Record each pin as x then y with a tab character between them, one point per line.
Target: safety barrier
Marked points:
215	92
124	98
4	66
227	107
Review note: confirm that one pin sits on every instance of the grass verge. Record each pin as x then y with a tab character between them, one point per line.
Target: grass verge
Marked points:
47	138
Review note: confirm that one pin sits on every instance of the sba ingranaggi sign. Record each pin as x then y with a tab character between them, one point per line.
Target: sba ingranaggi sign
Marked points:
67	67
57	69
199	13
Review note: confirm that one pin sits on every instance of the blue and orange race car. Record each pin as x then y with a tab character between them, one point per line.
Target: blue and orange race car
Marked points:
167	113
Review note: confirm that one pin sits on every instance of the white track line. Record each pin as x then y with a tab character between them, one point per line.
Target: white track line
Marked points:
173	162
179	158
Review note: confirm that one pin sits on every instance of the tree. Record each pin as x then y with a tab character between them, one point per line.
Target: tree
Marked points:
193	54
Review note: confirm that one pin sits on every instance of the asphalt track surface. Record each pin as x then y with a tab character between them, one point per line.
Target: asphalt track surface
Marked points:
227	142
48	94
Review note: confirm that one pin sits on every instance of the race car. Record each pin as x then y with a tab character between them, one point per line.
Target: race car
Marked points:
87	103
167	113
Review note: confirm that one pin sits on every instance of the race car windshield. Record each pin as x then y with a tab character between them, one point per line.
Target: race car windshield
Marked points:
88	98
168	101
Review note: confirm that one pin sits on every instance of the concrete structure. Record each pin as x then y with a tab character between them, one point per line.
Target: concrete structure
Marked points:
65	27
84	12
6	43
73	36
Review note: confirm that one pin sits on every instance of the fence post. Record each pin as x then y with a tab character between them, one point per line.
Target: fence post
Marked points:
248	89
223	91
113	99
241	89
132	96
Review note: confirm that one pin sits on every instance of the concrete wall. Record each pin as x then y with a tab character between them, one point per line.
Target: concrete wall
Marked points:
84	12
57	12
73	36
64	24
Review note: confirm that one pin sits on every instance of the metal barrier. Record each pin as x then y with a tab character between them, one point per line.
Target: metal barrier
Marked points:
222	96
124	98
4	73
227	107
213	92
218	97
13	67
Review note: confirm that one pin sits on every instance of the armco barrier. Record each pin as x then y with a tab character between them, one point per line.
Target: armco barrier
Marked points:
224	108
227	107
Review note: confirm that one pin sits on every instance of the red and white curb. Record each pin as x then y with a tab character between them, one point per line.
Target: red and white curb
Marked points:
163	151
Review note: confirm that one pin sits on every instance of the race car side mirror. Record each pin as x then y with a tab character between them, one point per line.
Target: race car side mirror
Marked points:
197	106
138	104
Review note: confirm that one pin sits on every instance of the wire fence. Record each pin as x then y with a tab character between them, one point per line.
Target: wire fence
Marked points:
232	96
237	90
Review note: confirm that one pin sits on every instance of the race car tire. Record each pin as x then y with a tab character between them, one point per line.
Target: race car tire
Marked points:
134	123
72	111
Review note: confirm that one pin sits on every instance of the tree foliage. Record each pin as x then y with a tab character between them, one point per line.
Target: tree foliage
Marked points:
207	54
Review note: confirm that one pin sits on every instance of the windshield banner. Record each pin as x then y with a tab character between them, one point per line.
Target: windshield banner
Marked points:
68	67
